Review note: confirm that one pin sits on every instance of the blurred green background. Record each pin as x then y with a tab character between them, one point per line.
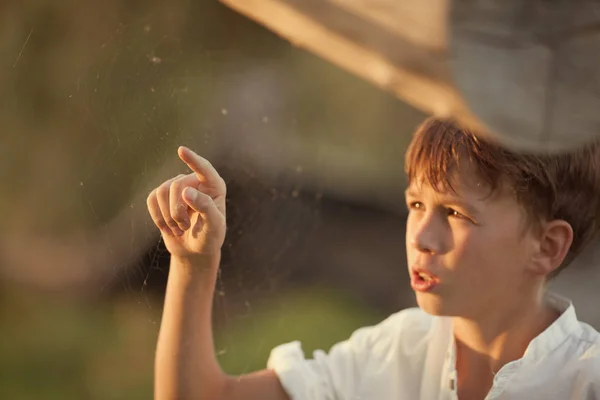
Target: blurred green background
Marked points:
95	98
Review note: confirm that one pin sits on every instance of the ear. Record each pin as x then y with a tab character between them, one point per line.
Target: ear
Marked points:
554	243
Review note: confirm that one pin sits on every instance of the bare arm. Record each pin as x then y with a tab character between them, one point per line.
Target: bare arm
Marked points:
190	212
185	362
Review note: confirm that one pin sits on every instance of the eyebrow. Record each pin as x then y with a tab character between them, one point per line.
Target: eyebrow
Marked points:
410	192
449	200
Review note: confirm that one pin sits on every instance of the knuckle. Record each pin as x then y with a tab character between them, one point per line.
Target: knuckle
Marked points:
220	186
178	178
151	197
177	183
164	189
175	186
180	212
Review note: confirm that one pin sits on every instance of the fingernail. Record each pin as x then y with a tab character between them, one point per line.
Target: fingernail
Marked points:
185	225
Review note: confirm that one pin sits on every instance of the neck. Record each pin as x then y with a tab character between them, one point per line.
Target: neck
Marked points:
490	340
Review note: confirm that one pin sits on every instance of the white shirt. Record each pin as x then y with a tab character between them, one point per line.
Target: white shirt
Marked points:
410	356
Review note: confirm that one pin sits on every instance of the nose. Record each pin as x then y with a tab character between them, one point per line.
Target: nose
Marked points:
428	235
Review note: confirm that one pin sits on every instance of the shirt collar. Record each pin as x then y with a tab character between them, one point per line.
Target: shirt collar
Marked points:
564	326
547	341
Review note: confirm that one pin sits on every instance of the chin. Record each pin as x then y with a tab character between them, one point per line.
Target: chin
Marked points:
434	304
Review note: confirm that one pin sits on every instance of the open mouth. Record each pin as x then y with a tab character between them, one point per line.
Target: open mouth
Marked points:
424	277
423	281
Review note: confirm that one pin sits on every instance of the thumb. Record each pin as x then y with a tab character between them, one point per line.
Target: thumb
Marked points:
206	207
203	204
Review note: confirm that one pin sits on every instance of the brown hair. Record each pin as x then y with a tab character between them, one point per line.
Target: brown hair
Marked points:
548	186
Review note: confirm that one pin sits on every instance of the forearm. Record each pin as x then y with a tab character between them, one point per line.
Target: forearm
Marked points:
186	366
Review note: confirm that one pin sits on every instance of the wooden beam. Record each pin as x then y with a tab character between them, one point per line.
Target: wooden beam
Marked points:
406	56
524	73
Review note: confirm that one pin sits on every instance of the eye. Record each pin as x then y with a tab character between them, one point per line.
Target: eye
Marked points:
455	214
415	205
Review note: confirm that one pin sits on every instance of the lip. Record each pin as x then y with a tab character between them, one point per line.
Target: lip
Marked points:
422	285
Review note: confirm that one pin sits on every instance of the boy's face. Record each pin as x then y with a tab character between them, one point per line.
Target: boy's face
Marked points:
474	245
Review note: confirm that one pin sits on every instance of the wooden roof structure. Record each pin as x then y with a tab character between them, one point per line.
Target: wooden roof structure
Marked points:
526	73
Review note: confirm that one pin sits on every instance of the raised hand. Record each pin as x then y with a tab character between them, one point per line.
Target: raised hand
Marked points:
189	209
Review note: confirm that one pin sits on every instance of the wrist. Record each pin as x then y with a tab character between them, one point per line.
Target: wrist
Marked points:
198	260
197	264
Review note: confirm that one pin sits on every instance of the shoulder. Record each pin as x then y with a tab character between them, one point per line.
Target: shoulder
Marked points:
588	346
408	327
584	344
573	341
588	334
581	357
403	329
588	361
401	332
377	350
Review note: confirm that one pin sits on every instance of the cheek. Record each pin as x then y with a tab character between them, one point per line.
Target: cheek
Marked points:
467	251
488	254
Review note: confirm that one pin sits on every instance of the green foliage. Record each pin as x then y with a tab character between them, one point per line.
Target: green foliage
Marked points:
318	318
61	349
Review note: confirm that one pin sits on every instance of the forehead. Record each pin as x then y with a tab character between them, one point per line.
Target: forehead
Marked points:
463	182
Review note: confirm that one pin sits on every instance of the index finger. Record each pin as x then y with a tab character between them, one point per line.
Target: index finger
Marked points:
201	167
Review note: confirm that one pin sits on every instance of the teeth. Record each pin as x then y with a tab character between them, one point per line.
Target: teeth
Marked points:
424	276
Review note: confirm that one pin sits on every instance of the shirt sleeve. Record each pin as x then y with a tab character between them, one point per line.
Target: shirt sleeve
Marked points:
327	376
337	374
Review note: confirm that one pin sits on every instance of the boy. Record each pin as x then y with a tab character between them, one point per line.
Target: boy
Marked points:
486	229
